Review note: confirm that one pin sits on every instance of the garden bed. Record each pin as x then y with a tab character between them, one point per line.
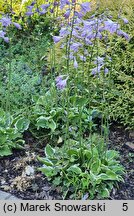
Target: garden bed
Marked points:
16	178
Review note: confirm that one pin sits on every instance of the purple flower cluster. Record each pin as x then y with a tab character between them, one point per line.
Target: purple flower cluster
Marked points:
84	32
2	35
60	82
41	9
5	22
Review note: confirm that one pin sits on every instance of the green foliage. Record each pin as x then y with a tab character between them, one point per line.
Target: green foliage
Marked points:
10	132
79	171
49	114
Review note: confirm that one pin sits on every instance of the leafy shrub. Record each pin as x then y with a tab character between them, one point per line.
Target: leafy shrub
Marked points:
90	170
24	83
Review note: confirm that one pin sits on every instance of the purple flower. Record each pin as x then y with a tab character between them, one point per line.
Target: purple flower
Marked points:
59	78
56	3
17	25
125	20
5	21
67	14
29	13
96	70
85	7
57	39
75	46
2	35
124	34
82	57
79	14
99	61
61	83
111	26
44	6
33	3
63	3
64	32
75	63
30	8
42	12
6	39
106	71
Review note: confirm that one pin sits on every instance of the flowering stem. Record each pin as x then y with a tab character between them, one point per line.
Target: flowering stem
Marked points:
9	80
71	33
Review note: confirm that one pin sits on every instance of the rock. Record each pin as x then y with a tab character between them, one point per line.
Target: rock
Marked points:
129	145
131	135
7	196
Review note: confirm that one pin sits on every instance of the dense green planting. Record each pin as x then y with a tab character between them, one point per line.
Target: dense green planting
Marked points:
66	84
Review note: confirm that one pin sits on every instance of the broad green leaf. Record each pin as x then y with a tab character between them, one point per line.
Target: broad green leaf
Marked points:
95	166
49	151
42	122
111	154
52	125
71	152
45	161
48	171
57	181
22	124
112	175
74	169
5	151
105	193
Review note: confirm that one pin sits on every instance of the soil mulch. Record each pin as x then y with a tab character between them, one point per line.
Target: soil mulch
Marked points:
19	176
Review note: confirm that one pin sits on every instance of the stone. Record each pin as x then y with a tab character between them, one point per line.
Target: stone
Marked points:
7	196
130	145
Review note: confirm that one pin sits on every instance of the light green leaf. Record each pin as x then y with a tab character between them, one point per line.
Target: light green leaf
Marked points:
74	169
22	124
49	151
52	125
105	193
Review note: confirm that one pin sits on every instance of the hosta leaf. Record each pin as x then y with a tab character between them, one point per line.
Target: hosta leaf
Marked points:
48	171
112	175
42	122
22	124
95	166
105	193
52	125
45	161
5	151
49	151
74	169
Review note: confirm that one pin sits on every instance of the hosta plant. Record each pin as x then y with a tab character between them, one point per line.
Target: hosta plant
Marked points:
89	170
11	132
